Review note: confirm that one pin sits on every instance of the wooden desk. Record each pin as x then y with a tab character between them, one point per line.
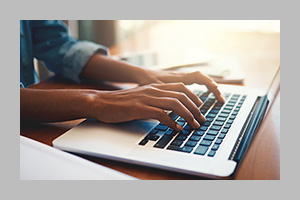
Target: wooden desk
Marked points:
259	55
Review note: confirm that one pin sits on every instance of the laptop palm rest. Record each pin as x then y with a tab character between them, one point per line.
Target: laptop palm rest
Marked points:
107	139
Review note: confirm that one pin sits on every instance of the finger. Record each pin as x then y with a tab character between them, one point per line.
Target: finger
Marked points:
180	87
160	115
213	87
200	78
175	105
183	98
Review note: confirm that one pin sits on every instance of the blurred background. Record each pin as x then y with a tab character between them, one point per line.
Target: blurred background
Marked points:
215	47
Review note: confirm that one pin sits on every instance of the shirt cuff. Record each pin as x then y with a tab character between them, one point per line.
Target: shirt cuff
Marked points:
77	56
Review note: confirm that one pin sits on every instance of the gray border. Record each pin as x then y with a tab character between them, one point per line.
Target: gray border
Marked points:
284	11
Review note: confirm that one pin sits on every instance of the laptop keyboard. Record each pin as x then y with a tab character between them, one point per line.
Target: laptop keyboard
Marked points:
206	140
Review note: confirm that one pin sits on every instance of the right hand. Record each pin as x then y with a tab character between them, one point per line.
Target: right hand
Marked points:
148	102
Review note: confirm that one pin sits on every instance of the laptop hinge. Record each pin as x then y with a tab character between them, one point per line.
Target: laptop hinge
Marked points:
251	125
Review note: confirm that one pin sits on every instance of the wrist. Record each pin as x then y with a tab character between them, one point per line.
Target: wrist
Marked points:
86	103
146	76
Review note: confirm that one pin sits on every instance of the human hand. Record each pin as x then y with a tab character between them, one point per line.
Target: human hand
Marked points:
151	76
147	102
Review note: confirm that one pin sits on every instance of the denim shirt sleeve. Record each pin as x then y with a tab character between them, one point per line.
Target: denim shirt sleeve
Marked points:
62	53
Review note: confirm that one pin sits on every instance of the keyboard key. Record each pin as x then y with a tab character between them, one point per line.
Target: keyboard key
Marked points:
234	113
224	115
153	137
143	142
233	101
195	138
206	123
181	137
232	117
183	149
154	131
230	104
227	126
218	141
222	119
173	115
209	137
163	141
180	119
161	127
198	133
170	132
177	143
211	153
203	128
186	149
212	132
180	123
218	123
185	132
215	147
214	111
225	111
224	130
222	135
218	105
217	128
188	127
230	121
201	150
209	119
171	147
205	143
211	115
191	143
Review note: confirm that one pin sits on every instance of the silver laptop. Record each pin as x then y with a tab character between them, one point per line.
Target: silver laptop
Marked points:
214	150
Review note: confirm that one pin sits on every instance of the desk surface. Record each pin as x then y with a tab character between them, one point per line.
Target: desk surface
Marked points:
258	53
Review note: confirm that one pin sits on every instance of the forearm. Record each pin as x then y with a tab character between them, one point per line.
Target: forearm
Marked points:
53	105
102	68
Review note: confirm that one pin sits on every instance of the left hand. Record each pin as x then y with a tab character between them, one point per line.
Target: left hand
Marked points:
152	76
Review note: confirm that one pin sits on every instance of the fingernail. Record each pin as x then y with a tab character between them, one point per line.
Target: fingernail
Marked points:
197	125
222	98
199	102
180	128
203	118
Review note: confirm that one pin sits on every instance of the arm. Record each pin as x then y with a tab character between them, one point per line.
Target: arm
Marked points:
104	68
145	102
53	105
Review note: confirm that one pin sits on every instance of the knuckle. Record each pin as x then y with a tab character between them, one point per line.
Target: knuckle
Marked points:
154	85
181	85
174	102
197	73
149	89
182	96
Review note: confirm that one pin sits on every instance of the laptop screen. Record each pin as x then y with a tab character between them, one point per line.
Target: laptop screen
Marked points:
274	87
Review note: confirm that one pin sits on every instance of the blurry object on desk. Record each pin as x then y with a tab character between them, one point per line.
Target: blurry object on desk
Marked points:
221	70
42	162
140	58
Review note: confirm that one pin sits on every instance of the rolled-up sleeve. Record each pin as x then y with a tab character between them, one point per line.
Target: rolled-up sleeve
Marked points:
62	53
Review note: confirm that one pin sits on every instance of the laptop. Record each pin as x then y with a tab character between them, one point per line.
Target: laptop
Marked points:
214	150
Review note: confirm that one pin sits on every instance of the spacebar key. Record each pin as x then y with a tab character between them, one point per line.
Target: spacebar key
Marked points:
164	140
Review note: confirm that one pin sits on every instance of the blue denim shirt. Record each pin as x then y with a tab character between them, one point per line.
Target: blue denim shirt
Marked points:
50	41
